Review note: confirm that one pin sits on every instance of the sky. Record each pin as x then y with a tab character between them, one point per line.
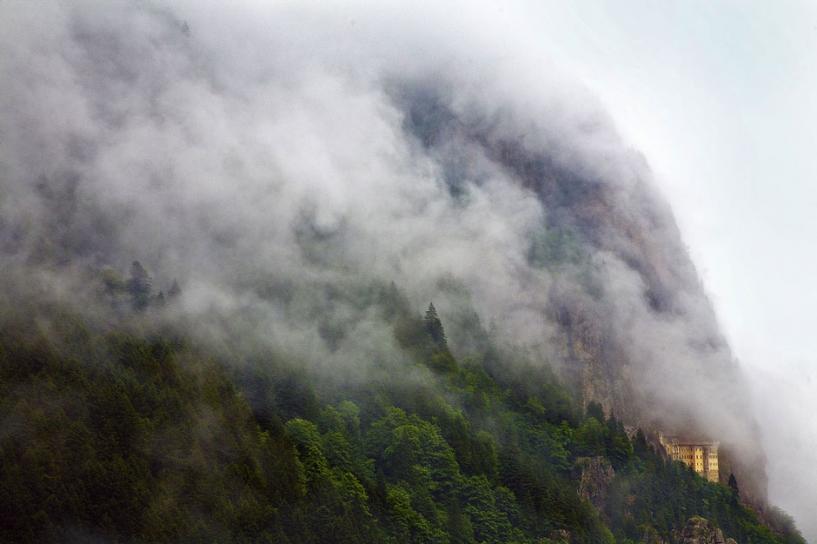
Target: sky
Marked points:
721	98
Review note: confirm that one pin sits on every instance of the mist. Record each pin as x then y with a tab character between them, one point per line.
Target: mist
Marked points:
281	162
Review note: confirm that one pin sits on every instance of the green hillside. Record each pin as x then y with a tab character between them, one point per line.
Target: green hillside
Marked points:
127	434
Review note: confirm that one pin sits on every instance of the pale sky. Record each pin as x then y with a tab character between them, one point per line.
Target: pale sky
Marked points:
721	97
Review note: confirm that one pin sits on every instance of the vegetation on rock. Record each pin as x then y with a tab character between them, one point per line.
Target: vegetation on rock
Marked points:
129	434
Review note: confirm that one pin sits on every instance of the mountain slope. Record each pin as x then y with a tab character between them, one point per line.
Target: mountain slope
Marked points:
298	193
132	435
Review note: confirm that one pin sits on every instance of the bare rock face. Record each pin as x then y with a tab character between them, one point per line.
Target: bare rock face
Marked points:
560	535
701	531
597	473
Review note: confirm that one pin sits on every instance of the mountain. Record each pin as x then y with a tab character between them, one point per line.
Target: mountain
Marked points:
217	255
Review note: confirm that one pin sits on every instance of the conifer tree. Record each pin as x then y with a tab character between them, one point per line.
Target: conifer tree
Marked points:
595	410
435	327
174	290
139	286
733	485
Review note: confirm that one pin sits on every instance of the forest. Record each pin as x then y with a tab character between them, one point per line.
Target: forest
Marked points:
135	431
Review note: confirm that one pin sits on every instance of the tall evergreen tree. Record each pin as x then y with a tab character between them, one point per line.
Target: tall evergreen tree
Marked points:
435	327
174	291
594	409
139	286
733	485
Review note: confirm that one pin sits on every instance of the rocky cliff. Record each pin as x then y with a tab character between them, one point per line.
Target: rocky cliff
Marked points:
701	531
634	328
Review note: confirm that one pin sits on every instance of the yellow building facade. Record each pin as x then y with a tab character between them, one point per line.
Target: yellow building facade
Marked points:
702	457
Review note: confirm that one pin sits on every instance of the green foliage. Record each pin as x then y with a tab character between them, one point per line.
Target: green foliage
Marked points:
733	485
434	327
130	436
595	410
589	438
660	496
139	286
116	435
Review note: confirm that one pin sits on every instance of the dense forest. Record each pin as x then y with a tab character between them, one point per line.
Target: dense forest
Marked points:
134	431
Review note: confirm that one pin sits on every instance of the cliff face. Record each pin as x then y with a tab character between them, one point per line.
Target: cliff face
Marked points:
701	531
636	331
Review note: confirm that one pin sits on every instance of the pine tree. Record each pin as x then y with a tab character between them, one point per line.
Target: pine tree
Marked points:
733	485
139	286
435	327
174	290
594	409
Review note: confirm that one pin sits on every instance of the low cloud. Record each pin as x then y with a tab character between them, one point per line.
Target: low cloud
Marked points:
281	161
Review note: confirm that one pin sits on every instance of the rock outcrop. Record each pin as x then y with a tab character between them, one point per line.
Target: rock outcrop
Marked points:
596	475
699	530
